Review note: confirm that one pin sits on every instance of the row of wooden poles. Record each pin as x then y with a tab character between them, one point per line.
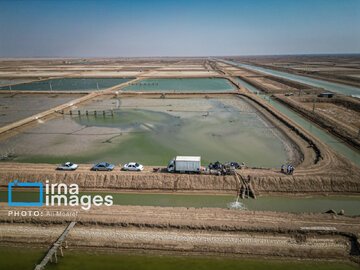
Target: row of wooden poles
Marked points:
87	113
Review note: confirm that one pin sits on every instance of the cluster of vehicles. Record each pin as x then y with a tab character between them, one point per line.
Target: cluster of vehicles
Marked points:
102	166
181	164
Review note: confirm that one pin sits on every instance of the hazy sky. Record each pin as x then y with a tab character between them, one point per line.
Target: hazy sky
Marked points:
105	28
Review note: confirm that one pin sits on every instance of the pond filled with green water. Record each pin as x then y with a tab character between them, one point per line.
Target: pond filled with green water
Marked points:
68	84
205	84
12	258
152	131
351	205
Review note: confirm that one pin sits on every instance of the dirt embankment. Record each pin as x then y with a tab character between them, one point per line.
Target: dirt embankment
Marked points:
338	128
190	230
285	82
263	181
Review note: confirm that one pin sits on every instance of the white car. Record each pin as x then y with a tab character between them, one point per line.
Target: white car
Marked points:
132	166
68	166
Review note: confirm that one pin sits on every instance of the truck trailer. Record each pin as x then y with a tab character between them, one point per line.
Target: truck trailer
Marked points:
185	164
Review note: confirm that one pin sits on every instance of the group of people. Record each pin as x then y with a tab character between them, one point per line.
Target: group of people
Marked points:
289	169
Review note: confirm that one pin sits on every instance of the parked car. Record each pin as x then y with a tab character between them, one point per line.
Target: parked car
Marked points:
68	166
233	164
103	166
132	166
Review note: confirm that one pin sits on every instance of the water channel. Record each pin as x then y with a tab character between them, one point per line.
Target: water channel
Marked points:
330	86
351	205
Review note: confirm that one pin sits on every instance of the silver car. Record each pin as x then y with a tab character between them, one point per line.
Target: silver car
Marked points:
68	166
132	166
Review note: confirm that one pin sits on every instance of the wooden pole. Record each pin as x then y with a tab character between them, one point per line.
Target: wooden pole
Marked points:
314	105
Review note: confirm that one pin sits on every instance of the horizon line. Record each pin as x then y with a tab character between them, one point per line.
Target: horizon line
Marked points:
183	56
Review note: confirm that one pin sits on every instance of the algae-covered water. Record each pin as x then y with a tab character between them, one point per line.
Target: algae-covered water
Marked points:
152	131
17	258
351	205
68	84
204	84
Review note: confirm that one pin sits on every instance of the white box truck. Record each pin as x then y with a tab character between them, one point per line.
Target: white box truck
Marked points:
185	164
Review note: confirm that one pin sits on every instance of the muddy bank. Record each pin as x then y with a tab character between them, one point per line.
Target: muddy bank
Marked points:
287	83
335	127
235	243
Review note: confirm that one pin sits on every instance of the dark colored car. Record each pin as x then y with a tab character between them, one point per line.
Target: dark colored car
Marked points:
233	164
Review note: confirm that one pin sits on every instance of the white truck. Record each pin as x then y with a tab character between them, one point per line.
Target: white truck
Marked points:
185	164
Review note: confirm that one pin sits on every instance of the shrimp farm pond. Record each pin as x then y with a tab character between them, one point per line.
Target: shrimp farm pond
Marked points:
196	85
153	130
68	84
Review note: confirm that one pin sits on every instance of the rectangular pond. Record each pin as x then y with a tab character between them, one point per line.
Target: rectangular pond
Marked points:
152	131
201	85
68	84
20	106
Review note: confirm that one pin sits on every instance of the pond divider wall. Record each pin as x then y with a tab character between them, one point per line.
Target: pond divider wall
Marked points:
261	181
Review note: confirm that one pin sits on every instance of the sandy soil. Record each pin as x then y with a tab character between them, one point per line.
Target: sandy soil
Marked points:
338	111
181	240
121	67
194	230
